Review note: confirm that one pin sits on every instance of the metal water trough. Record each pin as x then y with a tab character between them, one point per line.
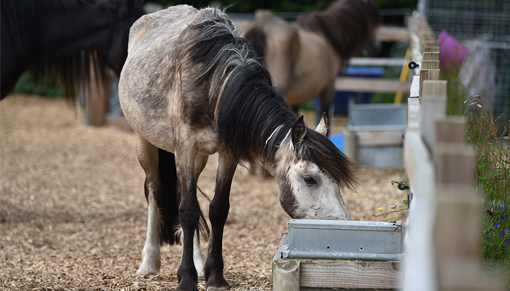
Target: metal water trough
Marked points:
331	254
373	135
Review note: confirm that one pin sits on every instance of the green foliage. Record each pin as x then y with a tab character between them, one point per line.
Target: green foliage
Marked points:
493	181
28	85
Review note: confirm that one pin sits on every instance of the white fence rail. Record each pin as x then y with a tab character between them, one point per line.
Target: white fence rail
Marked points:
442	229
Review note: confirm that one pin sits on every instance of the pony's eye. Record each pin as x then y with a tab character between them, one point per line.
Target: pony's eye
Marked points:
309	180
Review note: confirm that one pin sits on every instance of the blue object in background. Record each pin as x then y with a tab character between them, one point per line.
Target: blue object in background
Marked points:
342	97
338	140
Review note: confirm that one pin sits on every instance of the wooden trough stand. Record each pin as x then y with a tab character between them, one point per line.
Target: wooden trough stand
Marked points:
332	254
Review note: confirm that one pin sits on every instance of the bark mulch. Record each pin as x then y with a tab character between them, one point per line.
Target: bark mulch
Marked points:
73	211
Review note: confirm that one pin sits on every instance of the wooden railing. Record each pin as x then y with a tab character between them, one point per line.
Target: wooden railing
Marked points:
443	226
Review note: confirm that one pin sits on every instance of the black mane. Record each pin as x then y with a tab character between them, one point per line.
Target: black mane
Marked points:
252	118
24	21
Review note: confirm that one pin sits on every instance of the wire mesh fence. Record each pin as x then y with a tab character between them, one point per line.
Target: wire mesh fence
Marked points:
483	23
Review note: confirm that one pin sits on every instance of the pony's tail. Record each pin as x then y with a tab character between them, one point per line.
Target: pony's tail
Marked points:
257	38
168	202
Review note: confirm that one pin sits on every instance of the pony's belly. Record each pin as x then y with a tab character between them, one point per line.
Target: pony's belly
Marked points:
300	92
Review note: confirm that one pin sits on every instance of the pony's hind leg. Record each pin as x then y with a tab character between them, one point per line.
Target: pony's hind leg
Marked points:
161	194
218	212
148	158
198	256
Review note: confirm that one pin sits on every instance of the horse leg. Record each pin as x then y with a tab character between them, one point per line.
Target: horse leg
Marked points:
327	98
189	215
148	158
198	256
218	212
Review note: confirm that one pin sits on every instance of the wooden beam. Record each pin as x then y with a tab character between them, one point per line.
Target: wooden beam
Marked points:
370	85
433	105
347	274
286	275
384	62
380	138
392	34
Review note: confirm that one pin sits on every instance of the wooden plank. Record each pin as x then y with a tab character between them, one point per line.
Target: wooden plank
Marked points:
465	274
286	275
96	100
347	274
384	62
455	164
429	64
427	75
351	144
380	138
450	129
433	105
392	34
369	85
429	56
420	272
457	227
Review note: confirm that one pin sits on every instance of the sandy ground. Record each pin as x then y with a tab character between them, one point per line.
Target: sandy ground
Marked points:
73	212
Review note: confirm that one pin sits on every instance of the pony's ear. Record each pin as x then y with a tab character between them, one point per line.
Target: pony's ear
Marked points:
322	127
298	132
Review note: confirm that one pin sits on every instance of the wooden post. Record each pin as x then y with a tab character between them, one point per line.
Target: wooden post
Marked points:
433	105
430	56
286	275
457	227
95	100
351	144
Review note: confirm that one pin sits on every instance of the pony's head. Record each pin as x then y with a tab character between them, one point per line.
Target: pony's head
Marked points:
311	172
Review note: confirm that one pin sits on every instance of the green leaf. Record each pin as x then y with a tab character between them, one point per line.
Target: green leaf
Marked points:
488	176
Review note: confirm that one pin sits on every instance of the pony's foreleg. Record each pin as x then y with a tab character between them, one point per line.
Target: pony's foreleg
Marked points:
151	258
198	256
189	215
218	212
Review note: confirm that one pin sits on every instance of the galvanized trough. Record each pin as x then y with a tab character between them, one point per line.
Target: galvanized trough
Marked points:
349	255
373	135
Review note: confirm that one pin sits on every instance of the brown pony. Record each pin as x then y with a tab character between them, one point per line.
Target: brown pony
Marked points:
191	87
305	57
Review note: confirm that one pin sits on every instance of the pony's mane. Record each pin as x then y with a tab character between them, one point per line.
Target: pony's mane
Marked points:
253	119
73	71
348	25
248	108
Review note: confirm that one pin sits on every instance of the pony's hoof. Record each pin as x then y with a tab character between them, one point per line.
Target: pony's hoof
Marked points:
222	288
222	285
143	270
189	286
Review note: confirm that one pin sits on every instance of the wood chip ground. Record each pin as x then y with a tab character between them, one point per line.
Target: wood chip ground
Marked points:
73	213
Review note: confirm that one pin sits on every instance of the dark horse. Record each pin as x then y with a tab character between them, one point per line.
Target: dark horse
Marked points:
192	87
305	57
65	37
